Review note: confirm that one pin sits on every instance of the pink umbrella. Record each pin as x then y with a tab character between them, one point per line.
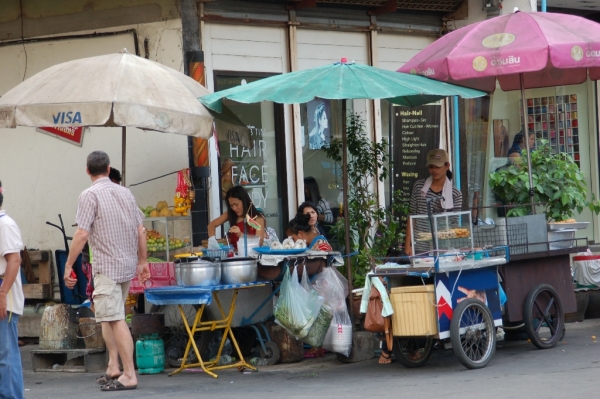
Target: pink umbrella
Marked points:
522	50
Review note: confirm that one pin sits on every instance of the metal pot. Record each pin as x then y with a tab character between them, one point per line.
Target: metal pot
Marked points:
197	272
238	270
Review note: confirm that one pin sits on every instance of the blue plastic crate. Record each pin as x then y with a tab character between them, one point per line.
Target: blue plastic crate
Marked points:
214	253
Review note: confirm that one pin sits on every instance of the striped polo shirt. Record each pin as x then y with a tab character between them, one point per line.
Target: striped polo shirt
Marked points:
109	213
418	206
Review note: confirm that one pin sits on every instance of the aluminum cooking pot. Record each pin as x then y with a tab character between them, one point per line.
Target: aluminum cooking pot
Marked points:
238	270
193	271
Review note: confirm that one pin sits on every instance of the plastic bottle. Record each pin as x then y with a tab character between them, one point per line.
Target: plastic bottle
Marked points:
258	361
225	359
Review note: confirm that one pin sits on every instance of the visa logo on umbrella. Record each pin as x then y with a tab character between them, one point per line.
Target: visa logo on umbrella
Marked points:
67	117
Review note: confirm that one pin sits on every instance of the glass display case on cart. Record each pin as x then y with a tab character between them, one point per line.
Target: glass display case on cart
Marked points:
444	231
168	236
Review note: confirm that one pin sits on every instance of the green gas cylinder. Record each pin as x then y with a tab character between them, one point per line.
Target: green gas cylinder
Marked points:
150	354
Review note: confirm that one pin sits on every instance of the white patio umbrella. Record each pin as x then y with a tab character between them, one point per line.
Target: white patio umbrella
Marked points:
119	89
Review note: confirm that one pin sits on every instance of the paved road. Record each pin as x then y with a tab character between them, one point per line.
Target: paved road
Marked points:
518	370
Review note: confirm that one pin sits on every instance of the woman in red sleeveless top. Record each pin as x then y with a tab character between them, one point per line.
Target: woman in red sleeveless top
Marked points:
238	205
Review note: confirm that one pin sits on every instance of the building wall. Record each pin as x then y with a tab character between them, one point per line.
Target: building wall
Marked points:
43	176
236	48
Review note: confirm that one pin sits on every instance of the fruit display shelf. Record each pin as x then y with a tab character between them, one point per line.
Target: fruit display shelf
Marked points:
167	236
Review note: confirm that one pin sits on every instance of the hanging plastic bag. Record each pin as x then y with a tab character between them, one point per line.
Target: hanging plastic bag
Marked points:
315	302
183	193
296	309
339	335
318	330
332	285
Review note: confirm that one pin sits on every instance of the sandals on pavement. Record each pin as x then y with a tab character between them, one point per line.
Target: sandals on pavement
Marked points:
105	379
115	385
386	357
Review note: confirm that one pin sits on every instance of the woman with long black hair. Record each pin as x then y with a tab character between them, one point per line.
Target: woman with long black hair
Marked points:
313	194
239	205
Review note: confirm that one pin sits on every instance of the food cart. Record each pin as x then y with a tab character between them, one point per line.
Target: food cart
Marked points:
453	293
202	297
450	294
540	291
220	306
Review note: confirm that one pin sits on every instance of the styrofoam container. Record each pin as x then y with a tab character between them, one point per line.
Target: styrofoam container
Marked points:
338	335
567	235
252	242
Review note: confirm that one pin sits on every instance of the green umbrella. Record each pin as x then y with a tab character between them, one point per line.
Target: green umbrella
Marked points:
341	81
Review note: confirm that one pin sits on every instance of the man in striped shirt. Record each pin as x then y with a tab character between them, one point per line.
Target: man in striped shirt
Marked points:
438	188
108	216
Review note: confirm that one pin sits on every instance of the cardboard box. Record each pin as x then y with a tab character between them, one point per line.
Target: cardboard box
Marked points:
414	311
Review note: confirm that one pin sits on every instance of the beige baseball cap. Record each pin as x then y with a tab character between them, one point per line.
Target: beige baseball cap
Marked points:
437	158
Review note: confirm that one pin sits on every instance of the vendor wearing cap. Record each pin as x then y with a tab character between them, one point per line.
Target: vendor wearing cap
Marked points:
438	187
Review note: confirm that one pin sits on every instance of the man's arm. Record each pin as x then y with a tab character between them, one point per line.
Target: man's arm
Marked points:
143	271
12	268
79	240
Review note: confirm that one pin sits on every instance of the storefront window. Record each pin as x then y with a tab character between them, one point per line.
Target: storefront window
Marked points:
256	167
558	115
476	123
322	120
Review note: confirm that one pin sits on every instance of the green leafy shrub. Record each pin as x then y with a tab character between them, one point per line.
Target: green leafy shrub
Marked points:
373	229
557	182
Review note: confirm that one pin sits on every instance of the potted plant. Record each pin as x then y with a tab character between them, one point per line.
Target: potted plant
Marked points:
373	229
557	182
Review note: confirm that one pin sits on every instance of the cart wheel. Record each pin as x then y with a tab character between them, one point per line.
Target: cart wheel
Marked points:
473	334
413	352
543	316
273	354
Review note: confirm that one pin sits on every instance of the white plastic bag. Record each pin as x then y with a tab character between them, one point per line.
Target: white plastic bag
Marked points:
339	336
296	309
332	285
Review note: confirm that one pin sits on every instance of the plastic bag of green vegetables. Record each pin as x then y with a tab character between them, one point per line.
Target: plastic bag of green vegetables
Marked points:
296	309
318	331
315	335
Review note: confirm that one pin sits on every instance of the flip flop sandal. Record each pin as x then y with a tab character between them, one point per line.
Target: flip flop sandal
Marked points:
387	356
105	379
115	385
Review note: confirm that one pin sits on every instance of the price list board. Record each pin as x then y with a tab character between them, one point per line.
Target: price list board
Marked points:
416	132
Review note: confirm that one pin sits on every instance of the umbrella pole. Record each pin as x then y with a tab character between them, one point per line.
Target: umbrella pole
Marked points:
526	138
346	215
123	149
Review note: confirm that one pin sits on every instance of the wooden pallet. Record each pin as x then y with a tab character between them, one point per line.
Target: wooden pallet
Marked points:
37	265
69	360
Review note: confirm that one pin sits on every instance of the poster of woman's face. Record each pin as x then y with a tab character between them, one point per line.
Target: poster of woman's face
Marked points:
318	112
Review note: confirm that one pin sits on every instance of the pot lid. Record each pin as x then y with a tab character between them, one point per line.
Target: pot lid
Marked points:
196	259
238	259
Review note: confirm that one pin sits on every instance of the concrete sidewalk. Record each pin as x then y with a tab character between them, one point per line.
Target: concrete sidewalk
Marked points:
575	357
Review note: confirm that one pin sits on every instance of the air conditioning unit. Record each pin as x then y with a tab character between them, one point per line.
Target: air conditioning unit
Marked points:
492	5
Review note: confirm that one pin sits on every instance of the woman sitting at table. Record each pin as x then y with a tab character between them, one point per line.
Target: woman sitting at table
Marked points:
238	206
309	208
300	228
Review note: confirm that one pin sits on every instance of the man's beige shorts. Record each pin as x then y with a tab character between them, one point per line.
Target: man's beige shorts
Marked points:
109	298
